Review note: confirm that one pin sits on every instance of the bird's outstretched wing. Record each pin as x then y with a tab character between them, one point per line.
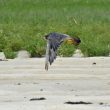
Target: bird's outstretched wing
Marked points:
53	42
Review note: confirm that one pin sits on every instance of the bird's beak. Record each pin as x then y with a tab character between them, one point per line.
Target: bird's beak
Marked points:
74	41
70	41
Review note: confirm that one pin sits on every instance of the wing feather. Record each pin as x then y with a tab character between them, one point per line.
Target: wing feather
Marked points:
51	52
53	42
47	55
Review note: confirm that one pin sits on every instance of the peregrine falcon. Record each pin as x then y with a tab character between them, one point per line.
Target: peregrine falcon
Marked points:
54	40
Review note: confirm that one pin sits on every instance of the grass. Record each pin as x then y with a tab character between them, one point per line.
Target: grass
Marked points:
24	23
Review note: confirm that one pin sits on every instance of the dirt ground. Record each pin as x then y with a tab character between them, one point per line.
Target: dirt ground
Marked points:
69	84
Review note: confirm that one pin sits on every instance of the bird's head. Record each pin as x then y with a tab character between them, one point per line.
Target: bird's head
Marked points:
74	40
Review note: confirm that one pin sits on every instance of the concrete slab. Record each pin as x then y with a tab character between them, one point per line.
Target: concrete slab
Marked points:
68	80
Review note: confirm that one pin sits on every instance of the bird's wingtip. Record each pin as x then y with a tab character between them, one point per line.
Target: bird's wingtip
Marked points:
46	66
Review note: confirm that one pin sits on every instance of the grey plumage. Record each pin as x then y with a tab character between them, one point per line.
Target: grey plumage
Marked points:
54	40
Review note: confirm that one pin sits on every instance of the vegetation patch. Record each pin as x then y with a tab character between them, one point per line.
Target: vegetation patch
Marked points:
24	23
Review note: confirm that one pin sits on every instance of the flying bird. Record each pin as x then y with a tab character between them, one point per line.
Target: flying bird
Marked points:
54	40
